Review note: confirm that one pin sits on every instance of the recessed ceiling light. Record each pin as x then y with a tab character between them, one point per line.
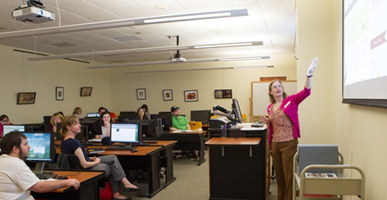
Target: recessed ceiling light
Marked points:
161	7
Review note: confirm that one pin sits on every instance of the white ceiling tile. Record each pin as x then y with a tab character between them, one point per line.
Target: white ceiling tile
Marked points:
130	12
111	3
97	15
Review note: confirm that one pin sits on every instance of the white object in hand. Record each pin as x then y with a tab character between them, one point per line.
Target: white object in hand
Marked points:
312	67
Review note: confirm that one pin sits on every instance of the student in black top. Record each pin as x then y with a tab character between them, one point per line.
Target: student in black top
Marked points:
109	164
141	114
146	111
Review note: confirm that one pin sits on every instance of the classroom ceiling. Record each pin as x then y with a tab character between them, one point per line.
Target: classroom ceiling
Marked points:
270	21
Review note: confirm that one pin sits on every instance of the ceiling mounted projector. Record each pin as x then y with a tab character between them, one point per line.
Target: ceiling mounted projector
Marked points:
177	57
33	12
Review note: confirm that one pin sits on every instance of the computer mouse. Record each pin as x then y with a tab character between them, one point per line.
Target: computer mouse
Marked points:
62	177
134	150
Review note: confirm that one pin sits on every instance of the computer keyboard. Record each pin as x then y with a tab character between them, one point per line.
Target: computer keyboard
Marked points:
95	150
45	175
257	124
132	148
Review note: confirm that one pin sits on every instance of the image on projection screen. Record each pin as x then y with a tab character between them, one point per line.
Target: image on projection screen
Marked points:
364	49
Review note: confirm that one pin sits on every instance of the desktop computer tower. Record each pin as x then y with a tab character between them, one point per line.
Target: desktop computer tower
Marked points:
143	180
159	127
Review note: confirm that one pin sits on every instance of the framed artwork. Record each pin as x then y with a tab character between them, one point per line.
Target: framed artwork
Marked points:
167	95
191	95
141	94
86	91
26	97
59	93
223	94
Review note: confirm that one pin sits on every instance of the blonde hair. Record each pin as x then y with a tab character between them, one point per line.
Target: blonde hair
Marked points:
284	95
68	121
76	109
55	115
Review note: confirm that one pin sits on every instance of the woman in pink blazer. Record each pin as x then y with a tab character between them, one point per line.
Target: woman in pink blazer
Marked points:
284	129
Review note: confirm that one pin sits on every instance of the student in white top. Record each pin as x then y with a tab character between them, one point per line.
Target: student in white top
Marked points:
78	112
106	121
16	178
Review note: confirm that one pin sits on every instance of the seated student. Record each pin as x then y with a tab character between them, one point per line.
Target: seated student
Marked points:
106	121
78	112
16	178
141	114
110	164
145	107
181	123
55	119
4	119
101	110
178	122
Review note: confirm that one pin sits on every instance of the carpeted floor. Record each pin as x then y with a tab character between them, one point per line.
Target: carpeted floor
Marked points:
192	183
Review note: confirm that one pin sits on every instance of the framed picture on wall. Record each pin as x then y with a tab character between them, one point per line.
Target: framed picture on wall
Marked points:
141	94
26	97
191	95
167	95
86	91
59	93
223	94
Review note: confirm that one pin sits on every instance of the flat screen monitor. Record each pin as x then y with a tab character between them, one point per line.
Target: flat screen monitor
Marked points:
164	112
125	113
236	110
203	116
126	118
93	114
35	127
166	119
93	124
42	148
148	128
125	133
12	128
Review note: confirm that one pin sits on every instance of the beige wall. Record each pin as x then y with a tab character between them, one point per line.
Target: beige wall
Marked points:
360	131
124	85
20	75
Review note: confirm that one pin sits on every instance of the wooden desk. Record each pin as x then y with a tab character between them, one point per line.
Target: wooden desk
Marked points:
167	147
189	141
237	168
88	189
145	159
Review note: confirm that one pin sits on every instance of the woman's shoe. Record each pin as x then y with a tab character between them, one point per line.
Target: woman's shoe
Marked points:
127	198
130	189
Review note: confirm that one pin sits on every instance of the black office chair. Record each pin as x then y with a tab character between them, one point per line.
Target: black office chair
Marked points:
68	161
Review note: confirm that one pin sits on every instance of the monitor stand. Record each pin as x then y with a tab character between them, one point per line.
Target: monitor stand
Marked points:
39	168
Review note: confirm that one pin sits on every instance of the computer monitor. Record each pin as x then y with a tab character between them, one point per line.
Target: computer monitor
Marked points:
165	112
93	114
148	128
126	118
236	110
42	149
94	126
12	128
166	119
203	116
125	113
46	120
35	127
125	133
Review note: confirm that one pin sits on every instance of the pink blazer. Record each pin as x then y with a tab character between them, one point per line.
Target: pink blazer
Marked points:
290	107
